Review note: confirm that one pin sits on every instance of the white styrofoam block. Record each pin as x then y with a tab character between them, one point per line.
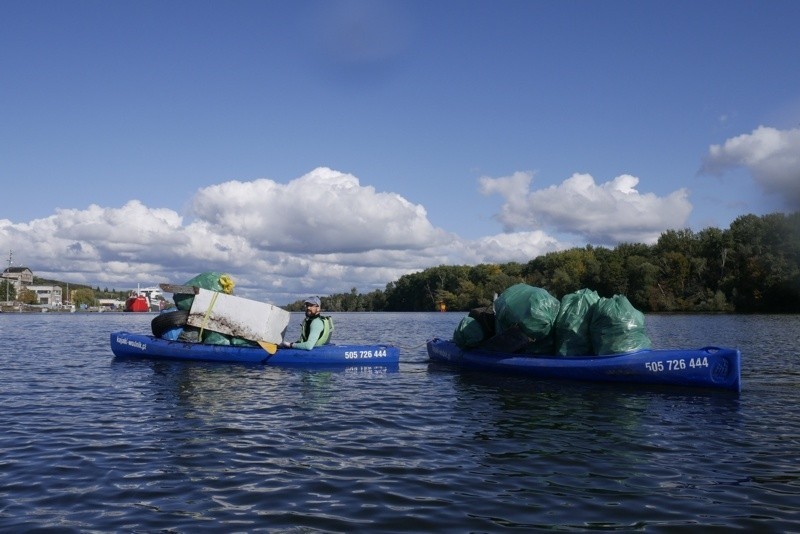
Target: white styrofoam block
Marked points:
237	316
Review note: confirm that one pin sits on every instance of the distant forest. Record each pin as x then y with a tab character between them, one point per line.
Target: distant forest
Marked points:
752	267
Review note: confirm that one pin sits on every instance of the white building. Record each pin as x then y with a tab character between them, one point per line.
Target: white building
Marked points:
47	295
19	276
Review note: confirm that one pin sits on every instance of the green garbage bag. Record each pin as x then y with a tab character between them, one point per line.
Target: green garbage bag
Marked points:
216	338
468	333
572	323
193	334
617	327
533	311
213	281
485	316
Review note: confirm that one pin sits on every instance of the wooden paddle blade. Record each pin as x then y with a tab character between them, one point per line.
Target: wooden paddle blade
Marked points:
175	288
269	347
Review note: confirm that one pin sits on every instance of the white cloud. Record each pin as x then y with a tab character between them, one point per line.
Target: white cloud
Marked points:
606	213
771	156
517	246
322	212
321	233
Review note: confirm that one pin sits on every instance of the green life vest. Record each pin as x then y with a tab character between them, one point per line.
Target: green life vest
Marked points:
327	329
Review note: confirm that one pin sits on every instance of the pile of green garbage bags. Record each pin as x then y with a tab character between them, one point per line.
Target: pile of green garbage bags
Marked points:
528	320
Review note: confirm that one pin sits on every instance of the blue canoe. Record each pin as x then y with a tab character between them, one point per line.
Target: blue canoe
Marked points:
128	345
708	367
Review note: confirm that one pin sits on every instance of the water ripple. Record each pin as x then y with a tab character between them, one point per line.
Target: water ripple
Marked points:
92	444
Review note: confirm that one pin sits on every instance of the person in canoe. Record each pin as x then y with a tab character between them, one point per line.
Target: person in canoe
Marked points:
315	330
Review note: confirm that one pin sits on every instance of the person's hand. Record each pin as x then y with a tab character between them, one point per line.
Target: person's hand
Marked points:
285	345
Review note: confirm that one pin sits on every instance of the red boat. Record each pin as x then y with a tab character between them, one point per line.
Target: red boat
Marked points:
137	303
149	299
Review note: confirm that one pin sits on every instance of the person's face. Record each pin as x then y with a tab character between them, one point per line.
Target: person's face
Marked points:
311	309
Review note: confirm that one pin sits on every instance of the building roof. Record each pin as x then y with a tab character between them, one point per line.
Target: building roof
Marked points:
15	269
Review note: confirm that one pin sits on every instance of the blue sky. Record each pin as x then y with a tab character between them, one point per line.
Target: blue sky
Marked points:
315	146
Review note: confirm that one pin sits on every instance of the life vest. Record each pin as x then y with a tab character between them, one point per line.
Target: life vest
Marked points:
327	329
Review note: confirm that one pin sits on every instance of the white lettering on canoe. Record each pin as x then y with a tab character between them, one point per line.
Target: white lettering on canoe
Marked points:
676	365
132	343
364	354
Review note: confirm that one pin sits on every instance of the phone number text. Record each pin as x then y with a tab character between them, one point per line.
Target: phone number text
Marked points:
364	354
676	365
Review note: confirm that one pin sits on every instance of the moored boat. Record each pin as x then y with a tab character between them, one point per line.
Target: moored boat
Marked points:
145	300
708	367
131	345
137	303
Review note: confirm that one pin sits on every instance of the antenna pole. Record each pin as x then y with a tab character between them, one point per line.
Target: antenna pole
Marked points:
8	280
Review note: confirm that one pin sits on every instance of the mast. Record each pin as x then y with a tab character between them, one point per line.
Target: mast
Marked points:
8	279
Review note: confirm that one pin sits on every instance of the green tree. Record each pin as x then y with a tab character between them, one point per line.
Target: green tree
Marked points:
752	266
610	278
642	282
83	296
714	245
26	296
9	290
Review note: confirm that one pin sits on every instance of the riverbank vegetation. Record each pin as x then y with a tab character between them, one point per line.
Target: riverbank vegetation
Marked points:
752	267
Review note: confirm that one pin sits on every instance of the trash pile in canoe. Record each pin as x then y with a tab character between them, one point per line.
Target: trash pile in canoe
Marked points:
581	337
209	323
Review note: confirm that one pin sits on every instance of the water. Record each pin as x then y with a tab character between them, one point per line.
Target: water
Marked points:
94	444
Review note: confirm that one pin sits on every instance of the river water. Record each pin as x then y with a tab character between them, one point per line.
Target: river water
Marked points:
91	443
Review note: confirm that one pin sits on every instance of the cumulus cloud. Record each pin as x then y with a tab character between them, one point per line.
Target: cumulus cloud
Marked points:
321	233
323	211
771	156
516	246
604	214
325	232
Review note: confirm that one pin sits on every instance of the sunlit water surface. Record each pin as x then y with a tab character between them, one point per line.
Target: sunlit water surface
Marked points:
93	443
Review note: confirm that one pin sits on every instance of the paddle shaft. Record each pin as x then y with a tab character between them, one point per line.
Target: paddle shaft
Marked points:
175	288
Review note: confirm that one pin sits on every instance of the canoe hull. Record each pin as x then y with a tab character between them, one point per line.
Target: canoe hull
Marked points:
130	345
709	367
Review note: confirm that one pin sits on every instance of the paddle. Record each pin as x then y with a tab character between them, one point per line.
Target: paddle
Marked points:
267	346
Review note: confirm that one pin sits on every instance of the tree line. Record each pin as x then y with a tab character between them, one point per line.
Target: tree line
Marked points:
752	267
